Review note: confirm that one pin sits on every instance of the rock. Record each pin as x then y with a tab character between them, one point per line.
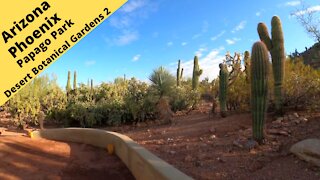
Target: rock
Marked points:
303	119
278	132
220	160
212	130
251	144
296	115
278	121
213	136
188	158
308	150
237	143
172	152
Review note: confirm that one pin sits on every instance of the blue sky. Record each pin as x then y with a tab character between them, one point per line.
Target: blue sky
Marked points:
146	34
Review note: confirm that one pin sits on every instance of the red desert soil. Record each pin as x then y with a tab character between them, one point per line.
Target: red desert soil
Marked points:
206	147
24	158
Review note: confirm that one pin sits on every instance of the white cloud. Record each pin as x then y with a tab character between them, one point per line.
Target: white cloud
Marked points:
126	38
218	36
239	27
184	44
170	44
132	6
136	58
292	3
308	10
200	51
209	64
258	13
232	41
90	62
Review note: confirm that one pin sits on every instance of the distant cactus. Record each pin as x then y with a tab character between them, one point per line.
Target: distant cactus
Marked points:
179	74
68	87
276	48
259	89
91	84
196	74
75	81
247	65
223	86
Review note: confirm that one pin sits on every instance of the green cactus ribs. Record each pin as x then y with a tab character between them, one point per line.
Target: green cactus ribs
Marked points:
259	89
223	86
196	73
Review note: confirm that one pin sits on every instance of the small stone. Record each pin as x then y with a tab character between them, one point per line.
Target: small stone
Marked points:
213	136
237	143
212	130
251	144
296	115
220	160
172	152
198	164
188	158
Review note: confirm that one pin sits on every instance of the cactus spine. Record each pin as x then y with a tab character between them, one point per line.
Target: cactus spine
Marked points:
259	89
223	86
196	73
179	74
75	81
68	87
276	48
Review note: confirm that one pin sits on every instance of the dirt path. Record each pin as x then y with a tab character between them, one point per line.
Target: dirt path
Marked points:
210	148
24	158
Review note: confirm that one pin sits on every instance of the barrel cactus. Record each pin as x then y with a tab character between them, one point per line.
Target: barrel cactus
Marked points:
223	85
277	51
196	73
259	89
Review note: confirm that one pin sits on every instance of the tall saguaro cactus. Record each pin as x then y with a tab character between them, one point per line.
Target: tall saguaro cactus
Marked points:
75	81
259	89
68	87
179	74
223	86
276	48
196	73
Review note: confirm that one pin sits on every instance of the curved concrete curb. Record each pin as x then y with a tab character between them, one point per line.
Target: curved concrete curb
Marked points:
142	163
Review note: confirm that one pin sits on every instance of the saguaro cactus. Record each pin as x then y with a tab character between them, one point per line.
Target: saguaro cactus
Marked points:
179	74
68	87
223	85
247	65
276	48
75	81
259	89
196	73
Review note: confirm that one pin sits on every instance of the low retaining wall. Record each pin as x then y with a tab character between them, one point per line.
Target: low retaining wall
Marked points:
142	163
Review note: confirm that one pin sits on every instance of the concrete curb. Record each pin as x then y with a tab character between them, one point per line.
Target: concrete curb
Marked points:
142	163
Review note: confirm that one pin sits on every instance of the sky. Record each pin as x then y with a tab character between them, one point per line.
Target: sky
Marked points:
145	34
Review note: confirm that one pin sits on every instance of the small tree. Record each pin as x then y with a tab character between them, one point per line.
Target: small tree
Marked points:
309	18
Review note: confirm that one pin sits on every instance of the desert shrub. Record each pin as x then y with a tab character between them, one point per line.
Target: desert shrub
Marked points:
301	85
239	94
42	94
181	99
